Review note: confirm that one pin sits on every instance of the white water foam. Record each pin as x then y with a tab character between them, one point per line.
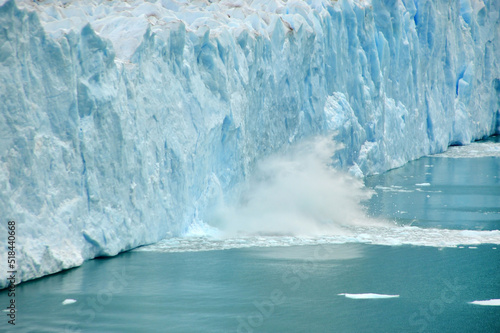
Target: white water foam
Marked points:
392	236
367	296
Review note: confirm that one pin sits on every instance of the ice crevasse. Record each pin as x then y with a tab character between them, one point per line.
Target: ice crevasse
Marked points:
123	122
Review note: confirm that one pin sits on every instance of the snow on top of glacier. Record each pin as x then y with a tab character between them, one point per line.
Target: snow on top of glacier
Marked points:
126	22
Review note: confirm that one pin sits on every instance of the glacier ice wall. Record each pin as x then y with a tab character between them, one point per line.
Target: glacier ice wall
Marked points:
123	122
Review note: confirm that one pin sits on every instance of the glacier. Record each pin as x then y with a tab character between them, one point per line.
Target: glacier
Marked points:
122	123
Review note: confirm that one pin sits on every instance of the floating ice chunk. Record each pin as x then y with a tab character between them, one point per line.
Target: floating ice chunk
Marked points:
367	296
423	184
392	188
68	301
489	302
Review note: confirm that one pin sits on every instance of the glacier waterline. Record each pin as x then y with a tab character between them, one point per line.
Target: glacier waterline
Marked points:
101	153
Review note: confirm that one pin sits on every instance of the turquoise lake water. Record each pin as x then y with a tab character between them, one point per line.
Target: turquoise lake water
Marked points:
250	285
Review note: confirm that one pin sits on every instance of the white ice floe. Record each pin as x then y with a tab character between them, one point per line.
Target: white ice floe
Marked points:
393	188
489	302
68	301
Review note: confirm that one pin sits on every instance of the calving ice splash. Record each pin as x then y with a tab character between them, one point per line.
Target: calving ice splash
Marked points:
295	192
296	198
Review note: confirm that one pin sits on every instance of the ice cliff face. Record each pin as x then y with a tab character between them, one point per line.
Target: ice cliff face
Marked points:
123	122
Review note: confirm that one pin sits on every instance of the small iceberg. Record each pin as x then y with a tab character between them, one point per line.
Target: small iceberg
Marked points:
68	301
490	302
367	296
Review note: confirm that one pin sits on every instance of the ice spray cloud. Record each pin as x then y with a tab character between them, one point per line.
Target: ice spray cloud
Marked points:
296	192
